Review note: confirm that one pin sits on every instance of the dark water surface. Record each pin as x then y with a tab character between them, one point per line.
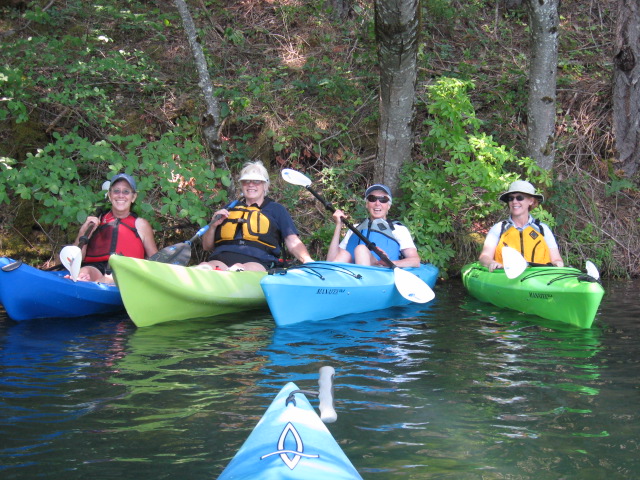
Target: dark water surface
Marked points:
454	390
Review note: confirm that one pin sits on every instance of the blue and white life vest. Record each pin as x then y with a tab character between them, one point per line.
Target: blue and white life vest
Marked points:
380	232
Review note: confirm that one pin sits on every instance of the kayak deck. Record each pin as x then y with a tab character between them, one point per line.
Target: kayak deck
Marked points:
563	294
155	292
323	290
290	442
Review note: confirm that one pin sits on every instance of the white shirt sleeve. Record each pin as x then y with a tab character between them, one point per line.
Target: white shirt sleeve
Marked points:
493	236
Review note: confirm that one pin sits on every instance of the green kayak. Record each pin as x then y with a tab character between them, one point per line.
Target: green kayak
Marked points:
564	294
155	292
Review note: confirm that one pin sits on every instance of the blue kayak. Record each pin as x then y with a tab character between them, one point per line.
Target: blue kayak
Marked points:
28	293
322	290
290	442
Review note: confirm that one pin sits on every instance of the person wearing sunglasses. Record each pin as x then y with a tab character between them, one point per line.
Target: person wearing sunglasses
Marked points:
116	231
393	238
532	238
252	235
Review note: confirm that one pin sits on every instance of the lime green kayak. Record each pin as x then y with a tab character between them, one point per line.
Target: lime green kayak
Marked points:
155	292
564	294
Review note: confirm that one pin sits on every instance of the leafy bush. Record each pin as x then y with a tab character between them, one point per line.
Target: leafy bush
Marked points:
452	191
174	177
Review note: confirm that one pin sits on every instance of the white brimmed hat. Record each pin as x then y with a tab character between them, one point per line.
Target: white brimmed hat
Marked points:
254	175
521	186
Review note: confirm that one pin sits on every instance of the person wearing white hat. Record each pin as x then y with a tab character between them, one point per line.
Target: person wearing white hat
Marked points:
532	238
393	238
117	231
250	235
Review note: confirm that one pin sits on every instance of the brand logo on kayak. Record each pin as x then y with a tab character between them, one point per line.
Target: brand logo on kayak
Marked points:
297	454
330	291
542	296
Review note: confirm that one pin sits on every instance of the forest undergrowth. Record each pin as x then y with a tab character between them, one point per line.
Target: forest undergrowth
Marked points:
297	87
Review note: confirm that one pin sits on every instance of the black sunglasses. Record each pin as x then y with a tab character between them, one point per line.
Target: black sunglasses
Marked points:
373	198
519	198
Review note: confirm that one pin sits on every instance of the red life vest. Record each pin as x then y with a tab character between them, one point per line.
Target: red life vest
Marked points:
114	236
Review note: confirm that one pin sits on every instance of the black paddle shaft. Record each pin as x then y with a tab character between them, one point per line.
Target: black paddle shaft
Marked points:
370	245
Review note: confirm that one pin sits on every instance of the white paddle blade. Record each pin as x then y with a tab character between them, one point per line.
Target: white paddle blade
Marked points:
412	287
513	262
71	258
296	178
592	270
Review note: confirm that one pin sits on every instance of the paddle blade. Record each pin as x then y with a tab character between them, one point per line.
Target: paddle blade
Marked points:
71	258
412	287
296	178
178	254
513	262
592	270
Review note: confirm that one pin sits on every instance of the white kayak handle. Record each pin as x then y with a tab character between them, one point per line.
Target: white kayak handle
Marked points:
325	382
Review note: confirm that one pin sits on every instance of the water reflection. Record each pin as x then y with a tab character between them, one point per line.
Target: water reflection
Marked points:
456	389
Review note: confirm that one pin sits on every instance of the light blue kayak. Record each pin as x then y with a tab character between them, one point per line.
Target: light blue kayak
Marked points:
290	442
322	290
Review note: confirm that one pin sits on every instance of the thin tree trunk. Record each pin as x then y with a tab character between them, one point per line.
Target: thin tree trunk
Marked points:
396	26
541	111
626	86
211	118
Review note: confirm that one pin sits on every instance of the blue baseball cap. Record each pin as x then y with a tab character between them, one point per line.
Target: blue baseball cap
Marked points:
378	186
124	176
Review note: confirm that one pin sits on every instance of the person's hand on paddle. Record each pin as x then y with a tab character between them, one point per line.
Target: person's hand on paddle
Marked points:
219	217
91	220
337	217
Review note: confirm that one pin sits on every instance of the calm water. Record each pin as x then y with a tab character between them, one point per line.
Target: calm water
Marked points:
454	390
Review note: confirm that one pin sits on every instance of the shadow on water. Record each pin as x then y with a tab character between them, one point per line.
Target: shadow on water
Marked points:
455	389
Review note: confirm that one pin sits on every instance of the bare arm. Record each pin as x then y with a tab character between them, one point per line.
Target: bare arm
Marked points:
556	259
411	258
297	248
146	235
209	236
487	257
337	254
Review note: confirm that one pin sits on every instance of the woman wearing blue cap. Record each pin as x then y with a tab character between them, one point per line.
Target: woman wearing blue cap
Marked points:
521	231
118	231
393	238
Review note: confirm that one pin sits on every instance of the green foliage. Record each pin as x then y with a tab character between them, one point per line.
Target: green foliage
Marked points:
453	190
85	78
174	177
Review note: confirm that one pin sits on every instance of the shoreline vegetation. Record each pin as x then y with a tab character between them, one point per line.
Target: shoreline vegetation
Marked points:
90	89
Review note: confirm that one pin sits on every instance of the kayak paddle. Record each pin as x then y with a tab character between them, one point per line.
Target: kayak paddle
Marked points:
410	286
513	262
180	253
71	255
592	270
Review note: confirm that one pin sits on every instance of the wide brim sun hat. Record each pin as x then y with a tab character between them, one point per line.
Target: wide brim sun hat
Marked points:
521	186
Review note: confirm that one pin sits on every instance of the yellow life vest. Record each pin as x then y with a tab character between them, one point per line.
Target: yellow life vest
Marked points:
248	225
529	242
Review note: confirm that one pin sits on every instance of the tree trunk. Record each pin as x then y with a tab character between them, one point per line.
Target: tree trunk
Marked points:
626	86
396	27
541	110
211	118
